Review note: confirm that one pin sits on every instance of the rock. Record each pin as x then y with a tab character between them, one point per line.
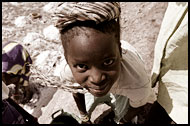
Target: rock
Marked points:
34	43
45	97
60	100
31	37
41	58
51	33
14	3
45	62
21	21
35	15
50	7
59	68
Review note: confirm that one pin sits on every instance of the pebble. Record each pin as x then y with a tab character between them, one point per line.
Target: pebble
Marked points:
51	33
21	21
59	68
14	3
41	58
50	7
31	37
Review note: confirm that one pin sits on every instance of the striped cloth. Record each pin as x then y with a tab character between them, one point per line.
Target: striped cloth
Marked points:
70	12
15	60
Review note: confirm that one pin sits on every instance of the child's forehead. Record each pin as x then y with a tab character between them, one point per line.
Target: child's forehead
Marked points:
93	38
94	45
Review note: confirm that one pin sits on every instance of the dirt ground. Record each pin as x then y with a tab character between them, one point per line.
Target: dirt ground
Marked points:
140	24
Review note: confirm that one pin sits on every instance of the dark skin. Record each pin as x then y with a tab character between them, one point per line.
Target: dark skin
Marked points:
11	79
80	101
14	79
95	64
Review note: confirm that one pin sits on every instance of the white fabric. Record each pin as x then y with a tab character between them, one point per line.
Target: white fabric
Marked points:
134	82
118	103
171	31
170	66
173	96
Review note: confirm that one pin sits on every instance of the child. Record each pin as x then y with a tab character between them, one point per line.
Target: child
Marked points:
16	69
90	34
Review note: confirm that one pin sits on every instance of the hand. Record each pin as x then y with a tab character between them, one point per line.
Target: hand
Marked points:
25	93
28	93
85	119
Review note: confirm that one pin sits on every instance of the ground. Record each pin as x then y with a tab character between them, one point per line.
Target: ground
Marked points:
140	24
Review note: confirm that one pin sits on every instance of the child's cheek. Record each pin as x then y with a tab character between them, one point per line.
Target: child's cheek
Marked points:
80	78
115	73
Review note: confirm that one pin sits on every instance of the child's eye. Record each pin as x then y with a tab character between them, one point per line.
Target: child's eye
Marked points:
108	62
82	67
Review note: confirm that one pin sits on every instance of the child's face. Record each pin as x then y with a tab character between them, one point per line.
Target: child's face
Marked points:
94	61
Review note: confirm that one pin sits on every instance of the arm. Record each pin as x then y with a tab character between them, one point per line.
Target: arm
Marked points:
131	113
80	101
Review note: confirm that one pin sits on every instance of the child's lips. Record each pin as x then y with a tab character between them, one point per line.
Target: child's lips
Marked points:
99	89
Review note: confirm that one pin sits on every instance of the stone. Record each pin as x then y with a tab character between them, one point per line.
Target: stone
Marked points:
60	100
51	33
59	68
41	58
14	3
21	21
49	8
31	37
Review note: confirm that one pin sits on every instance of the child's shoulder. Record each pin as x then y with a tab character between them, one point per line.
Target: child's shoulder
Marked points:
133	67
125	45
9	45
128	48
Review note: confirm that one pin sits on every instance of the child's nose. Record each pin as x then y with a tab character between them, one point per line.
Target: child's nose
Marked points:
96	76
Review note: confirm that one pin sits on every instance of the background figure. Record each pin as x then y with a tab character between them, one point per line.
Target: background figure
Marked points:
16	70
9	114
170	68
12	113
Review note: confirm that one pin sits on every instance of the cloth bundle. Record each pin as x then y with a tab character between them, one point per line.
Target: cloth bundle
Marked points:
70	12
15	60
